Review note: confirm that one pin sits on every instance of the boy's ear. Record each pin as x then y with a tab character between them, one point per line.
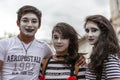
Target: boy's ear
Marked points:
18	23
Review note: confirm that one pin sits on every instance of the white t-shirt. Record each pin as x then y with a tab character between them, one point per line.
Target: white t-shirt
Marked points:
22	61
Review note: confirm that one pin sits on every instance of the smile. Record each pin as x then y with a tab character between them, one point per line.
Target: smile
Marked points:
29	30
90	39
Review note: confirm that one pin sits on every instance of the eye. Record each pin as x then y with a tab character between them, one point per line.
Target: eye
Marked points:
25	20
94	29
55	37
87	30
64	37
34	21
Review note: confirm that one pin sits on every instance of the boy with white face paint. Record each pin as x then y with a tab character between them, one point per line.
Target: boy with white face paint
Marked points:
29	24
21	56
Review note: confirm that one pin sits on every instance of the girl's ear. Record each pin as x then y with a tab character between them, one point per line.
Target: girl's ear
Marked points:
39	25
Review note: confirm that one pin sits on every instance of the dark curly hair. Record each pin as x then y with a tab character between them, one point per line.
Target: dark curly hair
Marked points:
106	44
26	9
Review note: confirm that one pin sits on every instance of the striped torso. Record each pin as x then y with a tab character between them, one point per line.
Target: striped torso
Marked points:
111	69
57	70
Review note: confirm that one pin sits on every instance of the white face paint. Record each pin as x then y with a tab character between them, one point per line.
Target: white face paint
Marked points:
92	32
60	43
29	24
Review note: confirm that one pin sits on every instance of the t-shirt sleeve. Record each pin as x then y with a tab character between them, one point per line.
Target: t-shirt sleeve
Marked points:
112	67
48	51
2	50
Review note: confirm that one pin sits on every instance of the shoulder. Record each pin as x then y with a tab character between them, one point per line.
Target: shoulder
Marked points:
6	41
112	67
112	58
41	43
45	47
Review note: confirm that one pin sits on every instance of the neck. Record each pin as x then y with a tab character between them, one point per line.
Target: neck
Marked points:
58	58
61	55
25	39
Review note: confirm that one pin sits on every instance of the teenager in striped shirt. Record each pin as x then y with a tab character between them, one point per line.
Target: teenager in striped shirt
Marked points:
105	57
61	66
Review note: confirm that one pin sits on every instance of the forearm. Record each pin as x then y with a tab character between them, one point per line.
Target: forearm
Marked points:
1	64
116	79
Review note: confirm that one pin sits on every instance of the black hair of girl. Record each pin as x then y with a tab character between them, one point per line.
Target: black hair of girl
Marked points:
106	44
68	32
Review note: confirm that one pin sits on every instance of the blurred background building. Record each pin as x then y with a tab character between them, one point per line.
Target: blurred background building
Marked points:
115	16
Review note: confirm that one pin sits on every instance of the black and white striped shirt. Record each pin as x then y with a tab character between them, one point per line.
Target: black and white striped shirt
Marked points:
57	70
111	69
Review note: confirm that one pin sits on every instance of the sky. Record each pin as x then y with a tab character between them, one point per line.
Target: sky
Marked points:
72	12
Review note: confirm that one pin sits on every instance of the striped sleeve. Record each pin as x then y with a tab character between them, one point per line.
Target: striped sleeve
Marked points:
112	67
90	75
81	73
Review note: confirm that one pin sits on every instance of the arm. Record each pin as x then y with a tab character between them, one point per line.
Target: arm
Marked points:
116	79
80	72
1	64
43	68
81	61
48	51
112	68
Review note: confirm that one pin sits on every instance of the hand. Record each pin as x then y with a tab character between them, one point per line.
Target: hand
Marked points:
81	61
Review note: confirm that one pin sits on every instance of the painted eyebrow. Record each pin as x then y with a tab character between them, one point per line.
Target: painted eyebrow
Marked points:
34	19
24	18
95	28
27	18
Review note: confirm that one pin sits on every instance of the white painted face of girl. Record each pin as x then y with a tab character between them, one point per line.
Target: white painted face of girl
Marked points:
60	43
92	32
29	24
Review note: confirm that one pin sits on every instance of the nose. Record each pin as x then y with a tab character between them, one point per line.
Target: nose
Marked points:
90	33
29	23
59	40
